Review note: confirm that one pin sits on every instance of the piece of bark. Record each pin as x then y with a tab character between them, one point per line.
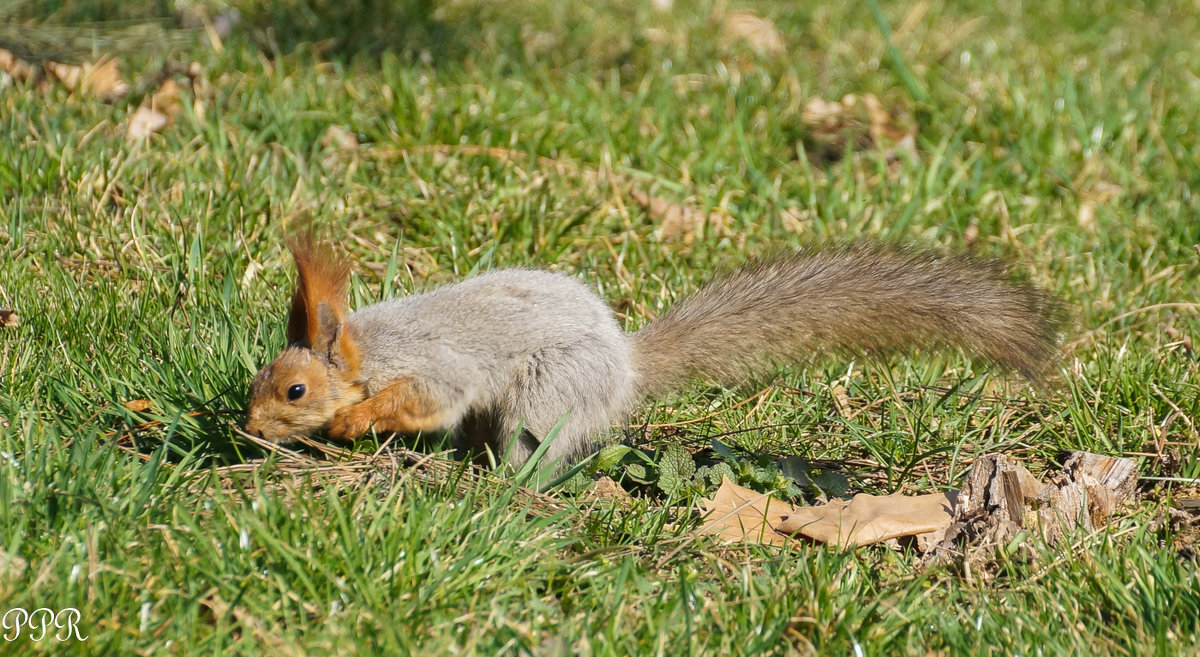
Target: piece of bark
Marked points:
1087	491
1001	499
991	508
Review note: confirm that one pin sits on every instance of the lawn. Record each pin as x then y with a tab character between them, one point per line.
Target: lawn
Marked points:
639	147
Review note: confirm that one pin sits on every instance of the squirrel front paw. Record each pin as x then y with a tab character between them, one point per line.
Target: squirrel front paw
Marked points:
349	422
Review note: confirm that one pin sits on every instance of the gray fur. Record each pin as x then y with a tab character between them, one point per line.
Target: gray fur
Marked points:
503	350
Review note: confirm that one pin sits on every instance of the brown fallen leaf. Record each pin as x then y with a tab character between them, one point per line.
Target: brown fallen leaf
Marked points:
1180	339
825	115
145	122
757	32
609	491
16	68
1091	197
166	98
739	514
1087	217
858	122
155	113
841	400
9	319
871	518
138	405
12	566
339	138
993	507
883	125
680	221
101	79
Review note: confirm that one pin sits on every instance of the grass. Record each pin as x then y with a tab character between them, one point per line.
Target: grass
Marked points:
1061	135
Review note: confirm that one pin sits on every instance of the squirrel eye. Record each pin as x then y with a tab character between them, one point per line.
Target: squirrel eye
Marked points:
296	392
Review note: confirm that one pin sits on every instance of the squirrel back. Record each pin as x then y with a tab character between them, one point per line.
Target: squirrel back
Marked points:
856	299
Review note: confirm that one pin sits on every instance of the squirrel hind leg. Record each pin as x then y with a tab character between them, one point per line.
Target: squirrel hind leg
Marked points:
484	431
572	389
517	444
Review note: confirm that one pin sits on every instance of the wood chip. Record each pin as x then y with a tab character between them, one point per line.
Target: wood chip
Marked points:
1001	499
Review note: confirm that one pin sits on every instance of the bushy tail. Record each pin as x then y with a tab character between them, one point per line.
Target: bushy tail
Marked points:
858	299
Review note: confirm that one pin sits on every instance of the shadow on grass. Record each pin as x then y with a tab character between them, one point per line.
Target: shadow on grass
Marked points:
343	30
433	31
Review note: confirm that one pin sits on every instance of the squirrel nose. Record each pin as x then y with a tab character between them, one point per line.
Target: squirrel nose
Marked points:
252	426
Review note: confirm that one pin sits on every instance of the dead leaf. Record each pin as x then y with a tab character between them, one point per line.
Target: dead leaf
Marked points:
607	489
858	122
841	400
145	122
16	68
1087	217
166	99
69	75
155	113
739	514
757	32
971	234
340	138
823	114
138	405
101	79
12	566
871	518
251	272
680	221
795	220
9	319
1183	340
883	126
1101	192
1093	196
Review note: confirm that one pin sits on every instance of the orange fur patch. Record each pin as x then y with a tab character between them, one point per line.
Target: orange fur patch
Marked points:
400	407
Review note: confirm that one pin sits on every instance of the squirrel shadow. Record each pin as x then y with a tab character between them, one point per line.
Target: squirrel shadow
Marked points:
412	29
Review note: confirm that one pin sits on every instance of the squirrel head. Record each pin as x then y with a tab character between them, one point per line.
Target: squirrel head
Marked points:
299	392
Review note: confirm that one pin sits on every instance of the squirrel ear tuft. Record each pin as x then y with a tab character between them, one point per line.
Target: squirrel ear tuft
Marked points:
324	279
318	314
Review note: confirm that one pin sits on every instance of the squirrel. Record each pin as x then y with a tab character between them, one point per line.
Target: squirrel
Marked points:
499	359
